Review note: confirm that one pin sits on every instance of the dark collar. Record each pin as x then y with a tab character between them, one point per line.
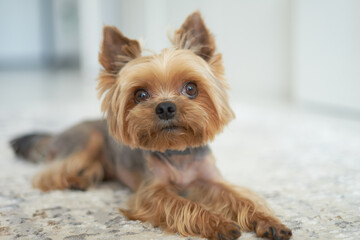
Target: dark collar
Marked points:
188	151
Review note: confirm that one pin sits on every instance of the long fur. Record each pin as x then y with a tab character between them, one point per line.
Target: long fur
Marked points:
162	206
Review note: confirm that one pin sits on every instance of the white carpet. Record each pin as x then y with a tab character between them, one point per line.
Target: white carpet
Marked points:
305	164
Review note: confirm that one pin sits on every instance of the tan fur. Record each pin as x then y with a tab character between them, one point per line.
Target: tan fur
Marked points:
195	36
79	171
236	203
180	192
117	49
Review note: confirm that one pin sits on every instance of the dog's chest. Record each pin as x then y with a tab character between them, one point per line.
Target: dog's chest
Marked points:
180	168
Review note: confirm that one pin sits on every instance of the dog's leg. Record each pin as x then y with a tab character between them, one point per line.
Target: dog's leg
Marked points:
160	205
78	171
241	206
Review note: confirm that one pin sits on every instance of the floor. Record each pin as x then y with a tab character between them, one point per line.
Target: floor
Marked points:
305	164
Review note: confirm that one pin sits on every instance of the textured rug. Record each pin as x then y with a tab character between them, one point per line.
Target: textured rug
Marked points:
306	165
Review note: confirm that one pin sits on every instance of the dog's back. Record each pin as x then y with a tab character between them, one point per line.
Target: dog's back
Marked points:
46	147
83	155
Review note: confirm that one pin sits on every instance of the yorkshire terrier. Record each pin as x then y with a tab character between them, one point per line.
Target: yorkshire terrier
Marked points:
161	112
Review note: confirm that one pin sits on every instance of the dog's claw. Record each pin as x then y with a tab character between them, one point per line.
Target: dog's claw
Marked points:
227	231
272	230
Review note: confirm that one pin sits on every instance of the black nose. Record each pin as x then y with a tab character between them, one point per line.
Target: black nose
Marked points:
165	110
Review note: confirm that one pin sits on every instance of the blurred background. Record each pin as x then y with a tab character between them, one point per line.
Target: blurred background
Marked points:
300	52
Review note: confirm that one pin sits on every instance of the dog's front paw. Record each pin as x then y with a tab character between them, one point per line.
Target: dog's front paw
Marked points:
272	230
227	231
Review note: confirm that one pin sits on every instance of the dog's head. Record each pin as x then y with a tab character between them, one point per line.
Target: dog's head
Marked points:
172	100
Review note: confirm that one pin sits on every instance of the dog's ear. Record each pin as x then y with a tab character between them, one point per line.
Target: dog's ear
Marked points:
116	49
194	35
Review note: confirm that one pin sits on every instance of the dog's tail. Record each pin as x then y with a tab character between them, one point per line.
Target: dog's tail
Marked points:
33	147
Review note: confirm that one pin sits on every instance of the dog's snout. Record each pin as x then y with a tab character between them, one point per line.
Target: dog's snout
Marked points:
165	110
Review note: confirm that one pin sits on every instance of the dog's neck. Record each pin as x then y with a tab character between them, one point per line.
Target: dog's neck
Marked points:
180	168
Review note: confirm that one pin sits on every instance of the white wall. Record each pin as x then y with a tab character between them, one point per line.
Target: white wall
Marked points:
302	50
20	32
65	28
326	53
90	25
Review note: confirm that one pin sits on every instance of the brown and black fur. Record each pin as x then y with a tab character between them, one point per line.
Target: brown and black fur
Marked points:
162	157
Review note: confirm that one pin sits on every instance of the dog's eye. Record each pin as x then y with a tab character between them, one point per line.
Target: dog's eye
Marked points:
190	90
141	95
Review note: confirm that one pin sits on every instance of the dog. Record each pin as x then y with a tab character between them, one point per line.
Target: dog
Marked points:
161	112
